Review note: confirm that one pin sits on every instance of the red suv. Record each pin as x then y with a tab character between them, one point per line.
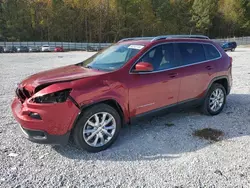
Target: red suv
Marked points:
91	100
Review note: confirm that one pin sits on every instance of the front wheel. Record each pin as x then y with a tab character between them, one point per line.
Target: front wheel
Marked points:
215	100
97	128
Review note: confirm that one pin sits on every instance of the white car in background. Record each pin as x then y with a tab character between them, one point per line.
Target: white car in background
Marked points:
45	48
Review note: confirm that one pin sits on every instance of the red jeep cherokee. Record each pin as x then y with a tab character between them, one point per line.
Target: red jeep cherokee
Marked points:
91	100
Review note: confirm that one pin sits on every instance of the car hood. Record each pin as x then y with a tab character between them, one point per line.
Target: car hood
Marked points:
67	73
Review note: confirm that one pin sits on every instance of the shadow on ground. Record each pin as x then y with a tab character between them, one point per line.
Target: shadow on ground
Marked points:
155	138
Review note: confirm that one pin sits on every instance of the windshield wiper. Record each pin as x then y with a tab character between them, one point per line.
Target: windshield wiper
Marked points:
89	67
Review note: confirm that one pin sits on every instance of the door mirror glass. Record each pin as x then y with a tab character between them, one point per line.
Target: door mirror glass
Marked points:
143	67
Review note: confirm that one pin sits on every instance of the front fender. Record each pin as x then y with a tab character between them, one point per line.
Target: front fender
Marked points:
99	91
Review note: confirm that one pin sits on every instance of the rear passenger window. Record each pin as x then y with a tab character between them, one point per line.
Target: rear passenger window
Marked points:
211	51
191	53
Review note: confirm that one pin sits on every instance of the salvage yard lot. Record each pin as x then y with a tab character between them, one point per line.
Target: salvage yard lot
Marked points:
159	152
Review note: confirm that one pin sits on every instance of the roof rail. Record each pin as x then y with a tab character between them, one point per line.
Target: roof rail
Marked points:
136	38
164	37
180	36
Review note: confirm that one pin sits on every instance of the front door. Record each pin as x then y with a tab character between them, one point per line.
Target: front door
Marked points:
152	90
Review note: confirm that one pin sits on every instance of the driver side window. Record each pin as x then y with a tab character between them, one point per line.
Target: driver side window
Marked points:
161	57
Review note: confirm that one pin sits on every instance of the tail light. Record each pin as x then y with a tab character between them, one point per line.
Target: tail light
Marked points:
231	60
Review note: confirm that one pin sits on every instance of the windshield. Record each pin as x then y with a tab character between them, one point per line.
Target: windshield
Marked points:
113	57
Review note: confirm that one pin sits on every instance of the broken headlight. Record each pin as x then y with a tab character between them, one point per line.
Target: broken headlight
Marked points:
56	97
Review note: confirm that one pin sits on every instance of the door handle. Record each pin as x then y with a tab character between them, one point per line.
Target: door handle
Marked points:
173	75
209	67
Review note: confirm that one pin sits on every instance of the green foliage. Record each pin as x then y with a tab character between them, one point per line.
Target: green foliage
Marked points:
110	20
203	13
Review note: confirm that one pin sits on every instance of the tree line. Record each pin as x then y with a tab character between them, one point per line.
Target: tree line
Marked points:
111	20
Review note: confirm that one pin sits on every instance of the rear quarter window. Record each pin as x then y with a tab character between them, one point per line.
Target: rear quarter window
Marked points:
211	52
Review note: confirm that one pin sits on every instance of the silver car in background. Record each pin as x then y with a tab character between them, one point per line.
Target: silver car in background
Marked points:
45	48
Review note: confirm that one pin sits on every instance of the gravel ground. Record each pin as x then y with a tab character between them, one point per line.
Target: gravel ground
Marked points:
149	153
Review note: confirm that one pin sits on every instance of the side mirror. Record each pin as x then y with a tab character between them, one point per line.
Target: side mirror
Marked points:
143	67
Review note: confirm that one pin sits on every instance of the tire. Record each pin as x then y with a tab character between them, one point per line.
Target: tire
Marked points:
233	49
207	107
89	124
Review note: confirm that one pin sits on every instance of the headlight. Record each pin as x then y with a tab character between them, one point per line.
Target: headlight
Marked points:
57	97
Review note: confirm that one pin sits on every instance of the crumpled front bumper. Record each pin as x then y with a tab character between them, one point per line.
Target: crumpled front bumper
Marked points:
52	123
42	137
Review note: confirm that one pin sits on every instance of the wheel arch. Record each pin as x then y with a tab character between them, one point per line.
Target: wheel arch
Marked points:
223	80
111	102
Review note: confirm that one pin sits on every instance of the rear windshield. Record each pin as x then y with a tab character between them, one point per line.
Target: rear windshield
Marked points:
113	57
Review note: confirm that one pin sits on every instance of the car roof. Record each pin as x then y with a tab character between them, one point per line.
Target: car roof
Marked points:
146	41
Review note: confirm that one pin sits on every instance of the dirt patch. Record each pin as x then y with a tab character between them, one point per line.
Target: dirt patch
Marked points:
209	134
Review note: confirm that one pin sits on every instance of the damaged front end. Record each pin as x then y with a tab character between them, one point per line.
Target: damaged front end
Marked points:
46	93
46	113
23	94
25	91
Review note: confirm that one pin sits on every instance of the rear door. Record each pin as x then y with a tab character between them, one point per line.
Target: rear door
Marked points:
198	67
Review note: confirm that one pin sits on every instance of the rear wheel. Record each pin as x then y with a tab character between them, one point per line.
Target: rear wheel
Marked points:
215	100
98	128
233	49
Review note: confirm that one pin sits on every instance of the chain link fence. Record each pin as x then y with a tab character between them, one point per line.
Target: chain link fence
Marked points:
71	46
66	45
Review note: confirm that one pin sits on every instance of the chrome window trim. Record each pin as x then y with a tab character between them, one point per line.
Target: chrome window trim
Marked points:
181	66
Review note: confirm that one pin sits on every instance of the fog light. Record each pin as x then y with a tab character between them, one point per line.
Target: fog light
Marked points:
35	115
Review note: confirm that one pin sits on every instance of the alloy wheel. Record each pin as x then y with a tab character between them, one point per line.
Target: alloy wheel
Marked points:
99	129
216	99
